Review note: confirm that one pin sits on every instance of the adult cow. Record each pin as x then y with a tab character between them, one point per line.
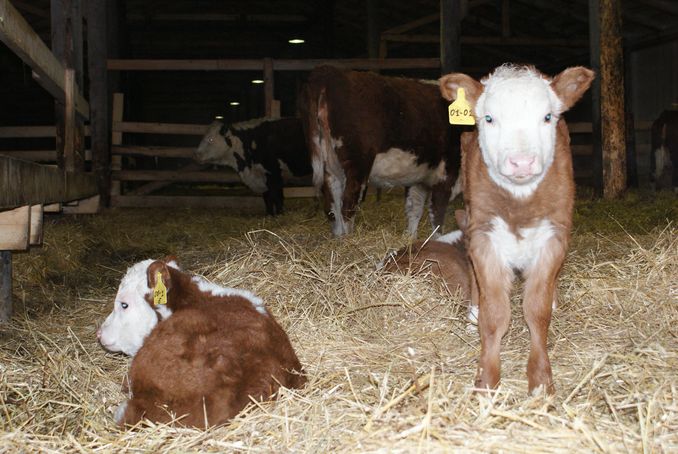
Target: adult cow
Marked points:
664	163
362	127
263	151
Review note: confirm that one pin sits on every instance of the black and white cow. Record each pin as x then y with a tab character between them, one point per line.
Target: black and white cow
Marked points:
263	151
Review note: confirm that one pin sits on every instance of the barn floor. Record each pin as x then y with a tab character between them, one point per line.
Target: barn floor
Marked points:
363	337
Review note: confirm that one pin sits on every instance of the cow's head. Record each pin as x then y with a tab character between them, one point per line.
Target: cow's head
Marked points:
218	146
134	315
516	110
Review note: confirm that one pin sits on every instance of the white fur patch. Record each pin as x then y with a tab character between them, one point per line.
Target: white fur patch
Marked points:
519	253
250	124
255	178
398	167
451	238
217	290
120	412
414	207
511	117
284	170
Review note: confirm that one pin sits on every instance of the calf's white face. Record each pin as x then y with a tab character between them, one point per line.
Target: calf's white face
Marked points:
133	318
517	110
517	115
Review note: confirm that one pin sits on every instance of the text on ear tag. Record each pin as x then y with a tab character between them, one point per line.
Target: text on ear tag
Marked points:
460	110
160	291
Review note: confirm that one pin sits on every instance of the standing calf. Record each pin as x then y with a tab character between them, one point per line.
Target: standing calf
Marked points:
390	131
263	151
201	357
519	195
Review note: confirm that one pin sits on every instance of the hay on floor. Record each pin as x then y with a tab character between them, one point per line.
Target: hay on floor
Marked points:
390	358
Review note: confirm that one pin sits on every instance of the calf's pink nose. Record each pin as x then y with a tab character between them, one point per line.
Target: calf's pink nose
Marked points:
521	164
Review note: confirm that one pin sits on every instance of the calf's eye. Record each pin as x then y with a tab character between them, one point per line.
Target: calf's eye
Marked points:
488	118
124	305
547	118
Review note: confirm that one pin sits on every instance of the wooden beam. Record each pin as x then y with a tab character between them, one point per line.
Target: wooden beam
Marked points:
244	204
160	128
215	17
155	185
207	176
69	150
15	132
5	286
97	51
15	229
609	121
493	40
23	41
90	205
160	152
278	65
35	235
450	33
27	183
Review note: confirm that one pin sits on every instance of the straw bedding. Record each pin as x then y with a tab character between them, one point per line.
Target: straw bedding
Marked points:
390	358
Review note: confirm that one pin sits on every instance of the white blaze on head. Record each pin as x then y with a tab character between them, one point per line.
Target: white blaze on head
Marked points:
517	111
216	148
132	318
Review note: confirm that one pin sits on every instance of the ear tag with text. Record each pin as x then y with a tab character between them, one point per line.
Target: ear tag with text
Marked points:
160	291
460	111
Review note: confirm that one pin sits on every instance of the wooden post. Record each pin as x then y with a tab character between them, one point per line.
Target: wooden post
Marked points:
631	160
116	139
5	286
97	52
268	86
69	125
450	31
608	97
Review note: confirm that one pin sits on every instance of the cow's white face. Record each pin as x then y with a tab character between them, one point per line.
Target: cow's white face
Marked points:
517	115
517	111
133	318
216	148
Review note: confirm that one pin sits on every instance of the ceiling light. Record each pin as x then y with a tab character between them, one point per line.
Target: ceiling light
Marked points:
296	41
234	103
257	81
219	117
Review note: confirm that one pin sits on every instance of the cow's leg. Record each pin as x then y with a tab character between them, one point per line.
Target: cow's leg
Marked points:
440	198
538	299
275	189
414	207
356	183
494	280
268	201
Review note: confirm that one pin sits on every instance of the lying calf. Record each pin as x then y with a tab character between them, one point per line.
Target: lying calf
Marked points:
444	257
201	351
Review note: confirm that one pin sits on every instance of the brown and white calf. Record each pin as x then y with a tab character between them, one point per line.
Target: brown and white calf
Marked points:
519	195
664	163
444	257
362	127
200	358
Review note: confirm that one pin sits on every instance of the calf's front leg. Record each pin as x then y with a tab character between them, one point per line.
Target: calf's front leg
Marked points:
538	300
492	297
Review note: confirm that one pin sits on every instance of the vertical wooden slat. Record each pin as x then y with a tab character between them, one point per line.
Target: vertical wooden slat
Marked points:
97	52
268	86
5	286
450	32
58	37
69	126
116	139
36	225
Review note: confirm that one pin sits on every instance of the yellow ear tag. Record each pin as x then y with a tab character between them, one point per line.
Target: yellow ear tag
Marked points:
460	111
160	291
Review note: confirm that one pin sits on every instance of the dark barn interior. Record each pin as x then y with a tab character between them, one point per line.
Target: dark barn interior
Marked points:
103	106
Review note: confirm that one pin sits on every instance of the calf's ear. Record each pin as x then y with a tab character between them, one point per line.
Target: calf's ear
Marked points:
154	268
571	84
450	83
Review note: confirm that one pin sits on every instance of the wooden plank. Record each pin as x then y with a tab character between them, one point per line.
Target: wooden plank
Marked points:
17	132
15	229
159	128
116	139
89	205
278	65
38	155
154	186
70	127
97	32
5	286
245	204
35	236
492	40
268	87
18	35
208	176
52	208
161	152
300	192
450	33
27	183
